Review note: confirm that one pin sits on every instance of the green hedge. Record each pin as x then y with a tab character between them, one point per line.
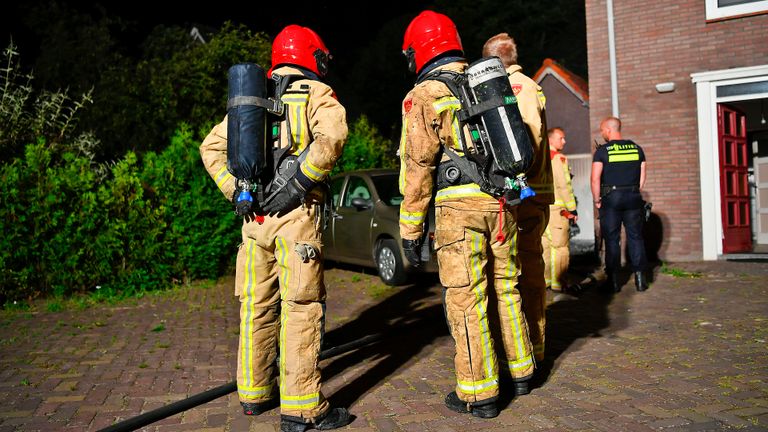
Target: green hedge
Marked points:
152	222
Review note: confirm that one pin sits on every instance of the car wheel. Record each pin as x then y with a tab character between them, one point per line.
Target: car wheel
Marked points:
389	264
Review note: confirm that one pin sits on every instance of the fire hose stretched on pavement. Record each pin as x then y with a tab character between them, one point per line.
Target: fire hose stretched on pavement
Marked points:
150	417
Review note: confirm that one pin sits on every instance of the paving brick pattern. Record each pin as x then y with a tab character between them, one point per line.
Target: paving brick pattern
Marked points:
690	354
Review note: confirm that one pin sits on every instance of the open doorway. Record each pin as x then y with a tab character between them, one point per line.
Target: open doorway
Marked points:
744	90
755	113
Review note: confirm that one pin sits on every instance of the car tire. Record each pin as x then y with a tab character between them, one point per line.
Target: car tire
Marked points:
389	263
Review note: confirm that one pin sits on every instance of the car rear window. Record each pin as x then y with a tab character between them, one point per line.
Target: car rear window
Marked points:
387	187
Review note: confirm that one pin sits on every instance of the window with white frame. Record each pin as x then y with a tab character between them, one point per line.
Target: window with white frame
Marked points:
719	9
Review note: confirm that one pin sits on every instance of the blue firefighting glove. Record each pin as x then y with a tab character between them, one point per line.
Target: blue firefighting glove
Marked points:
290	196
412	251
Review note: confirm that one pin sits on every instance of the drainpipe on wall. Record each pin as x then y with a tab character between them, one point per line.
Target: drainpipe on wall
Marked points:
612	61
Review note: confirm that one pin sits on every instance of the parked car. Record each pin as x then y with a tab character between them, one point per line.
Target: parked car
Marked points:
363	227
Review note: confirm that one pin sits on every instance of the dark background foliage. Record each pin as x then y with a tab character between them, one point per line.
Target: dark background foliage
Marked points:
104	105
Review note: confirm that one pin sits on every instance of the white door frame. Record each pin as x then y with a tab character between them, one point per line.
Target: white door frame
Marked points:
709	163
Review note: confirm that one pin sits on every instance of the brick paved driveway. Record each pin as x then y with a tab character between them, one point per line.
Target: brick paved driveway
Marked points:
690	354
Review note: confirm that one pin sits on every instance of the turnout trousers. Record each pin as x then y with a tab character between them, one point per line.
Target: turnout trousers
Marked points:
282	304
623	207
555	242
532	219
473	260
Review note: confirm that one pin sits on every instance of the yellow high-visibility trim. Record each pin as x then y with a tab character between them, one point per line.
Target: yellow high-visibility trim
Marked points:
254	392
479	287
521	364
313	172
222	175
623	158
471	387
401	152
510	273
281	254
296	107
411	218
246	331
461	191
300	402
445	103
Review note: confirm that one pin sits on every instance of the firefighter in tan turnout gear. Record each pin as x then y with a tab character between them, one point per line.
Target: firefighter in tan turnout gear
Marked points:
475	239
279	276
557	236
533	213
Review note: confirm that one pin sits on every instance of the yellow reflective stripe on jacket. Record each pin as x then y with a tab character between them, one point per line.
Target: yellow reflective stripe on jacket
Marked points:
411	218
222	176
542	98
453	104
313	172
461	191
296	111
472	387
300	402
401	152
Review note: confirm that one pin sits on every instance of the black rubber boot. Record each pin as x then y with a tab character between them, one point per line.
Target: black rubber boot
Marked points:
611	284
332	419
641	284
521	388
481	409
257	408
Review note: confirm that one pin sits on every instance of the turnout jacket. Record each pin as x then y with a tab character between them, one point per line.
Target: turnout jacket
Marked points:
564	197
429	121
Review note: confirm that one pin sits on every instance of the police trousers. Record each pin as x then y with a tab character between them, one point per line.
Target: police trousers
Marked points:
472	261
532	219
623	207
282	304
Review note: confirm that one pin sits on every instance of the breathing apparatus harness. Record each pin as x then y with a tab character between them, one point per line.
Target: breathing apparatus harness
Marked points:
501	150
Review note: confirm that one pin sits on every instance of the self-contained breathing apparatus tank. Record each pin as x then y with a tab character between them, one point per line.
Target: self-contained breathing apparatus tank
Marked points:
501	148
247	112
499	126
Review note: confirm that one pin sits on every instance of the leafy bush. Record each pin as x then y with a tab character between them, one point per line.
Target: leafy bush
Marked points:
154	222
365	148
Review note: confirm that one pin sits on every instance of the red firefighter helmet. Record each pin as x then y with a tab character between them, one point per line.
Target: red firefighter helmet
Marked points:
427	36
300	46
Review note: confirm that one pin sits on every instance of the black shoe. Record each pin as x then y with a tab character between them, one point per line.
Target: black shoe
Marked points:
521	388
257	408
332	419
574	289
611	284
482	410
641	284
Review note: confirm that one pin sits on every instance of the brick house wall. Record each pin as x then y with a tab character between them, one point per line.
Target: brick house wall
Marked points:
660	41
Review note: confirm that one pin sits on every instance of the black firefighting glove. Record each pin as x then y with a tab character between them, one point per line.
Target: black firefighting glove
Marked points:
412	251
290	196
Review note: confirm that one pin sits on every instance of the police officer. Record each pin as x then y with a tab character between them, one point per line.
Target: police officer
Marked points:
618	176
556	238
475	240
532	213
279	276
